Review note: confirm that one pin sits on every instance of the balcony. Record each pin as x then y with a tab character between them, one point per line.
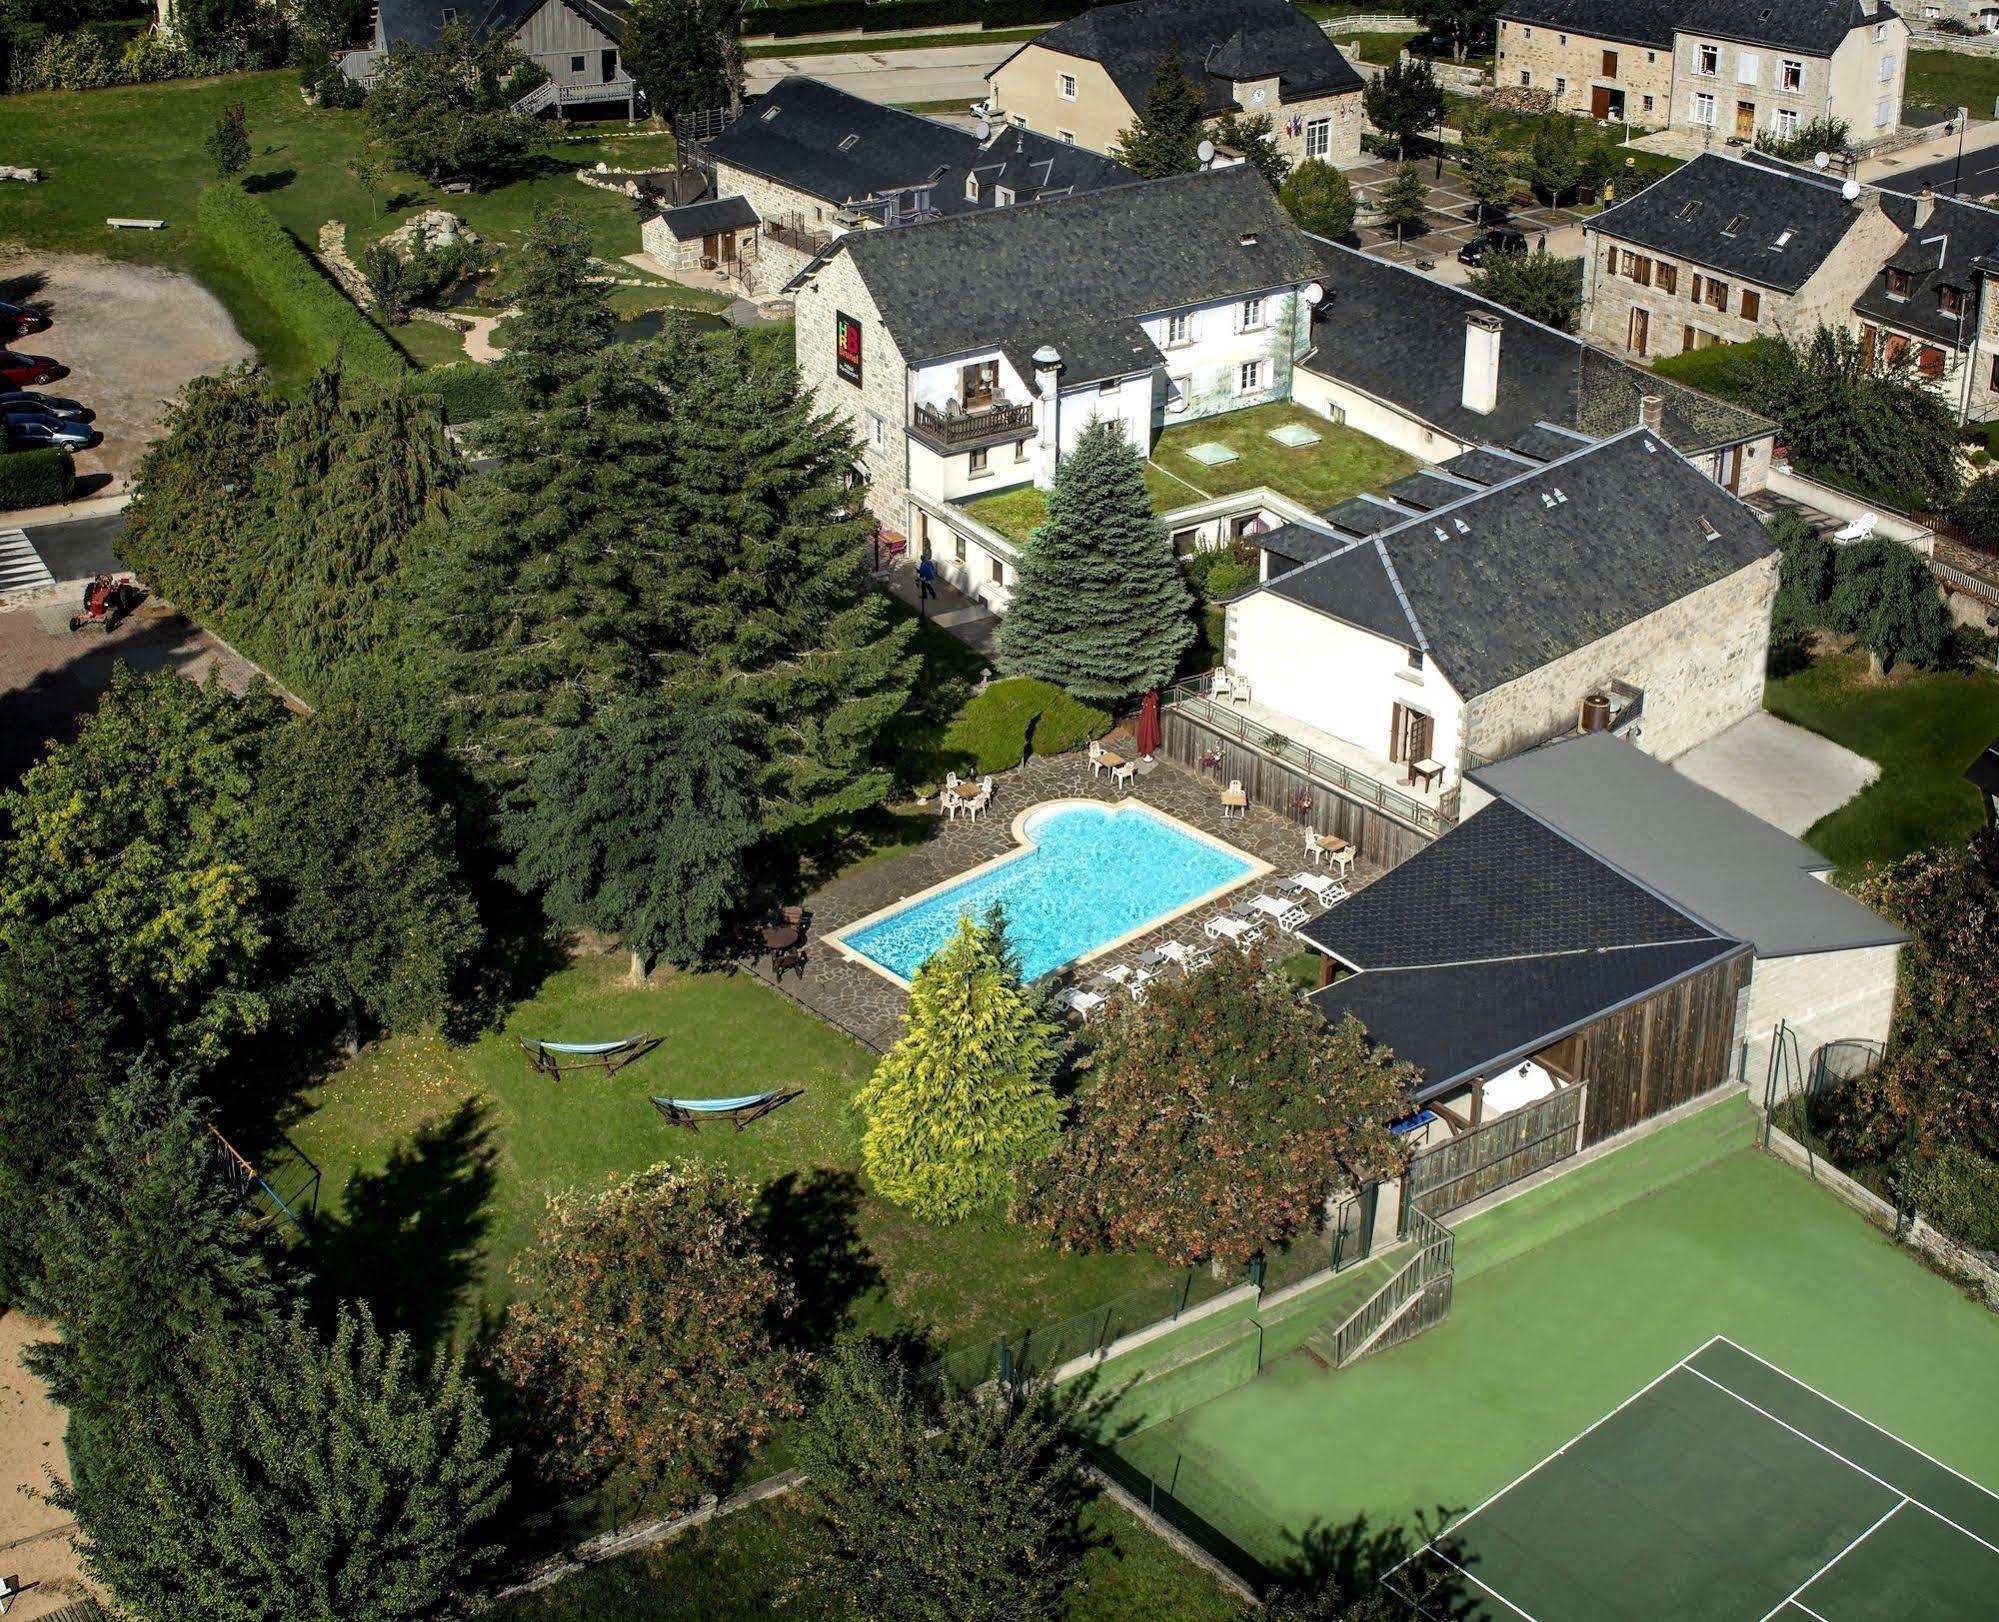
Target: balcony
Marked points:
796	236
953	428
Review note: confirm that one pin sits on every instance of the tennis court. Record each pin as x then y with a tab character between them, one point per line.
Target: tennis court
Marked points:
1724	1488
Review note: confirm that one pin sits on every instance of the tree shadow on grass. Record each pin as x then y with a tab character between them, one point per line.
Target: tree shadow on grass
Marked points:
407	1241
807	1223
269	180
1337	1567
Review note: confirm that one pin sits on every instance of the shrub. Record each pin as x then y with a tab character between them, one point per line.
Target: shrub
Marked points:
992	730
35	478
466	390
333	331
1959	1192
1229	577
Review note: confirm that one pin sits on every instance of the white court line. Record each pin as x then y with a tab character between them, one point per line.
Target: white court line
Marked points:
1495	1593
1792	1597
1850	1414
1962	1531
1799	1605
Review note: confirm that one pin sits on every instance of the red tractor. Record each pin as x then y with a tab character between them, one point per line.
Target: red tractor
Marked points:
106	601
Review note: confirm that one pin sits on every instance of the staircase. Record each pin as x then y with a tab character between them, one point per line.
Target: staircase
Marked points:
1417	1298
21	566
545	94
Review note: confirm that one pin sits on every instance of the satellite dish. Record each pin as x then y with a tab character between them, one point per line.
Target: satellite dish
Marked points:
1314	293
1205	152
1822	160
1851	191
983	131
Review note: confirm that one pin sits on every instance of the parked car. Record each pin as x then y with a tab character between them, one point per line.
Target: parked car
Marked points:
18	320
28	403
33	433
1498	240
25	371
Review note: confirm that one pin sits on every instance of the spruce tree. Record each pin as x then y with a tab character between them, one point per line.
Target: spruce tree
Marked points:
964	1096
562	318
1099	605
1166	139
1403	199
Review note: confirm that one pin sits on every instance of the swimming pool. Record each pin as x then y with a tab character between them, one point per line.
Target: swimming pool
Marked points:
1091	876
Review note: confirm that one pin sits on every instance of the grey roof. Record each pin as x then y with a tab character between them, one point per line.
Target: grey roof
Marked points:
1299	543
1091	351
1498	939
1728	214
1941	252
1815	27
1485	464
420	22
1221	43
1365	515
1545	442
1399	336
1010	275
1983	773
1428	489
816	138
1732	870
1512	578
701	219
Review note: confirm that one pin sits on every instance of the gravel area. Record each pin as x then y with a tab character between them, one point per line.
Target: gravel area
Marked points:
35	1552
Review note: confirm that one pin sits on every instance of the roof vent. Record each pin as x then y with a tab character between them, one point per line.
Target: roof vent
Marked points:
1560	499
1650	448
1248	239
1547	501
1439	533
1709	530
1463	527
770	112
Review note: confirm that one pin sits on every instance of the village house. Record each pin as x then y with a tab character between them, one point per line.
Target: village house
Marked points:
1614	587
1085	80
1727	70
970	352
576	42
1725	250
807	161
1603	928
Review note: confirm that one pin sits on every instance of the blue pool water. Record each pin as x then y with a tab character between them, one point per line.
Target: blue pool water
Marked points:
1095	874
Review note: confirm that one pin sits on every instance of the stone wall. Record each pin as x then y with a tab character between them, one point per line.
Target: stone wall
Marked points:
883	395
1348	119
1569	66
1700	662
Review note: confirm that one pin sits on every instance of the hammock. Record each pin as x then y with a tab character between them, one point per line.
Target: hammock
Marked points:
549	1057
688	1111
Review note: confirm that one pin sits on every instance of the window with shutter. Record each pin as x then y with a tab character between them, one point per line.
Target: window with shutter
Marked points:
1752	304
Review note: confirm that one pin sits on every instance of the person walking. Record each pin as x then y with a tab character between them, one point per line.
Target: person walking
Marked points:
926	581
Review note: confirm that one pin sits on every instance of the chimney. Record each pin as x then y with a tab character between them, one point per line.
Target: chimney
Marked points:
1481	392
1926	205
1652	412
1048	439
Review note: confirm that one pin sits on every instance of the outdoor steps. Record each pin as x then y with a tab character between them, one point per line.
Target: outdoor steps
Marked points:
21	566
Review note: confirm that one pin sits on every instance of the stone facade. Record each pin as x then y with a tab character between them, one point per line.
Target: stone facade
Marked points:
1700	662
1585	74
878	409
1327	127
1684	307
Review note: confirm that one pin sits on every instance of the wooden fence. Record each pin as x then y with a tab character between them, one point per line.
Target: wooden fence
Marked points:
1475	1164
1662	1050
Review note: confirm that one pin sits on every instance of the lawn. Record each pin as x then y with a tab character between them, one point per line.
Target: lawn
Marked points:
1381	49
1923	727
1944	81
437	1160
137	150
745	1567
1567	1300
1343	463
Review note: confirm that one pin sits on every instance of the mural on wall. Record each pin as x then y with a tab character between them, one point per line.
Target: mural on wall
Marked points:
847	347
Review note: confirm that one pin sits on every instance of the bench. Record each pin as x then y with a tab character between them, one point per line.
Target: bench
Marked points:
118	224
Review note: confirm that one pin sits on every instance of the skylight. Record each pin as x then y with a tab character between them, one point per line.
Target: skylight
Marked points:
849	142
769	113
1783	237
1734	225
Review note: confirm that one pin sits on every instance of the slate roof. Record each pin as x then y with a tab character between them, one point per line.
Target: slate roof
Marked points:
1727	214
1487	465
701	219
1515	932
1399	336
420	22
816	138
1428	489
1734	871
1815	27
1512	578
1365	515
1636	22
1969	233
1221	43
1983	773
1077	264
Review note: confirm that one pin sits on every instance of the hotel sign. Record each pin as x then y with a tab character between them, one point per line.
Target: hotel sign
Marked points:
847	347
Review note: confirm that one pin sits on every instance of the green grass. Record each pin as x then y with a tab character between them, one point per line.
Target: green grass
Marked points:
427	344
745	1567
1923	727
1381	49
871	43
1944	81
1720	369
1568	1300
137	150
950	104
437	1160
1343	463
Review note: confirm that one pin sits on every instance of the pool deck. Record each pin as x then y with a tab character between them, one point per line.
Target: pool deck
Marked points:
869	1007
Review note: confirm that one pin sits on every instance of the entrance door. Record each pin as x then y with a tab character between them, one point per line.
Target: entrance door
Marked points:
1599	101
1410	733
1641	330
610	66
1745	120
1729	469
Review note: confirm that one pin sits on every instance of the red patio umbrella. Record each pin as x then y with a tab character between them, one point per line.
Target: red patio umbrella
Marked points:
1148	725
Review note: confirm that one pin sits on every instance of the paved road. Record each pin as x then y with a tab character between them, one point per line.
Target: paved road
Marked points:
1936	164
77	548
946	73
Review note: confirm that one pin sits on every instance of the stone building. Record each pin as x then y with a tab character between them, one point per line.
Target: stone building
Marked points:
1728	70
576	42
1085	80
808	160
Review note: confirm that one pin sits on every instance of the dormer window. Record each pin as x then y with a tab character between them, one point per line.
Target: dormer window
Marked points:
1952	300
1002	197
971	188
1898	283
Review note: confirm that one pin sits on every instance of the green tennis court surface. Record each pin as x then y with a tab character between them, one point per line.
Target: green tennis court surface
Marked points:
1724	1488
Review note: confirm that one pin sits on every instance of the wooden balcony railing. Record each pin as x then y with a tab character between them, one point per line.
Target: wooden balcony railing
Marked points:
986	426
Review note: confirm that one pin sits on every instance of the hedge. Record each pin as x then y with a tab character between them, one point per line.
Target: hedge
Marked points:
909	16
467	390
39	478
329	325
991	732
1958	1191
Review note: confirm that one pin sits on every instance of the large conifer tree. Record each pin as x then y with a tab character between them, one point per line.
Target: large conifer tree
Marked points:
563	317
1166	140
1100	606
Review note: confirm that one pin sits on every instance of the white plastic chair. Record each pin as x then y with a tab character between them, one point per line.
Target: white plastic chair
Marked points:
1121	776
1084	1004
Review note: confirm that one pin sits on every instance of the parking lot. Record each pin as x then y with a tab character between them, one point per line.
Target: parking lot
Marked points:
131	336
1447	222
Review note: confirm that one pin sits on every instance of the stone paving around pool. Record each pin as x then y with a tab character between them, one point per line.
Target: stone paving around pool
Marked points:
869	1007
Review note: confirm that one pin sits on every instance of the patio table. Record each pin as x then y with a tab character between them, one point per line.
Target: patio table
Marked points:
781	937
1425	773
